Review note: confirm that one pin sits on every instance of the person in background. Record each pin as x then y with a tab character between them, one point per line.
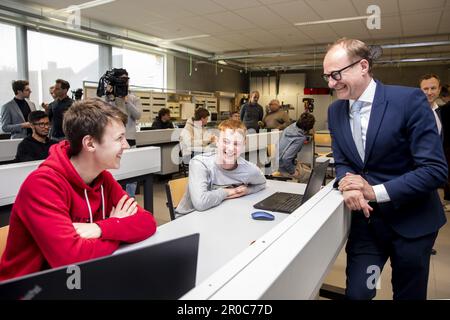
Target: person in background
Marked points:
214	177
444	112
276	118
57	108
132	107
14	114
389	163
71	209
251	112
36	146
194	137
430	84
291	142
162	121
51	90
235	116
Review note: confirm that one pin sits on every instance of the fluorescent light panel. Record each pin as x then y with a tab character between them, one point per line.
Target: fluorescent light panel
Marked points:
333	20
86	5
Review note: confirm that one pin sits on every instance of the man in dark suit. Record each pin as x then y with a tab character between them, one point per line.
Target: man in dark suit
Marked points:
389	163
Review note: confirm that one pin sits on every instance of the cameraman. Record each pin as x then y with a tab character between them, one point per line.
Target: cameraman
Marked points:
131	106
128	104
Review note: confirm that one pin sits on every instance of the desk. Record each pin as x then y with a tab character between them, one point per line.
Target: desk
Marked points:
167	140
136	164
8	149
231	267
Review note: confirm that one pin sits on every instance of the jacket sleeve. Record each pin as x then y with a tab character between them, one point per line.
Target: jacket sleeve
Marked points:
7	125
286	121
257	181
261	112
134	107
131	229
199	180
46	215
341	164
426	150
242	113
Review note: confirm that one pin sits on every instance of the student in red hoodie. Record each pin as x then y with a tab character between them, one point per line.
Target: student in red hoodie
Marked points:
71	209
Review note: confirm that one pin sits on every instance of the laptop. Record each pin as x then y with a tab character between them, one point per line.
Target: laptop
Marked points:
165	270
288	202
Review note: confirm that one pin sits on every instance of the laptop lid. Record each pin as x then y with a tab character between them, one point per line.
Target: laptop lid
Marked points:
315	180
165	270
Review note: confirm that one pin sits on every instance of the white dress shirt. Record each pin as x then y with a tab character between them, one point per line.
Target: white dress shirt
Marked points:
438	121
367	97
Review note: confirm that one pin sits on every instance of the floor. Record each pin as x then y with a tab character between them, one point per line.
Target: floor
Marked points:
439	279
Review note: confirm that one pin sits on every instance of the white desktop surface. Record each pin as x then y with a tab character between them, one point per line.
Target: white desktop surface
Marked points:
135	162
225	231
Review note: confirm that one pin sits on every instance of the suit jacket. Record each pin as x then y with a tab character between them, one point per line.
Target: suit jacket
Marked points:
403	151
12	117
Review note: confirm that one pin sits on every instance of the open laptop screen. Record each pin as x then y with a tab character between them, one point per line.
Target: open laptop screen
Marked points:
165	270
315	180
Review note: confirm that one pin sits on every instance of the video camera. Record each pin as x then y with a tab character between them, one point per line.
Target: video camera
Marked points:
114	78
77	94
309	104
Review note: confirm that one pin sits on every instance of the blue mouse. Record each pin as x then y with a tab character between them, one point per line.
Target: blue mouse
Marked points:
262	215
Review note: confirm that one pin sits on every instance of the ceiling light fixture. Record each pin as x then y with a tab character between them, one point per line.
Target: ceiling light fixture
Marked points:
197	36
307	23
85	5
222	62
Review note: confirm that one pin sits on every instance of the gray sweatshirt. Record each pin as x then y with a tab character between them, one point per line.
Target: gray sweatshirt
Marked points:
207	181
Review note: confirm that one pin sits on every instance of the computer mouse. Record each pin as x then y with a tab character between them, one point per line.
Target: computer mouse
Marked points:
262	215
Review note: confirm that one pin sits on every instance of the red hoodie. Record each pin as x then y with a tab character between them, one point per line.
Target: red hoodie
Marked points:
41	234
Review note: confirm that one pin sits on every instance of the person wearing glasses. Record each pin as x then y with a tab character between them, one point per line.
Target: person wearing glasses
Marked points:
36	146
389	164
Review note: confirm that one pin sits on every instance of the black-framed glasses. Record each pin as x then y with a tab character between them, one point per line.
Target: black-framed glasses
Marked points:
42	124
336	75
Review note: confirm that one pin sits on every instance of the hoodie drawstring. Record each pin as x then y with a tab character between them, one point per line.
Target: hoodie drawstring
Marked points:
89	205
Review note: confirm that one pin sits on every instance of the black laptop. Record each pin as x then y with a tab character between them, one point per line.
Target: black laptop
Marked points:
288	202
165	270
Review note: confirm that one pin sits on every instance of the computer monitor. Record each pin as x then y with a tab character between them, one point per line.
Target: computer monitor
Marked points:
165	270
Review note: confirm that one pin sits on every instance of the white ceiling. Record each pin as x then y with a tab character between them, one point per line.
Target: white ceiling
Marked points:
268	25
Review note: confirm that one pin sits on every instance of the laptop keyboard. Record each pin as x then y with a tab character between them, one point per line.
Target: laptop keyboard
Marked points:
289	203
281	202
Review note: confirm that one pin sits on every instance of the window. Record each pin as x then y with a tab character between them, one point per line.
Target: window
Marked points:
52	57
144	69
8	62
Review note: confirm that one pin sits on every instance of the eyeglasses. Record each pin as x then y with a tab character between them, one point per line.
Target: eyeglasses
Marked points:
42	124
336	75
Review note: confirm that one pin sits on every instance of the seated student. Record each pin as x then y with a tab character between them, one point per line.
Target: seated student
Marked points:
291	142
276	118
195	136
71	209
235	116
36	146
162	121
214	177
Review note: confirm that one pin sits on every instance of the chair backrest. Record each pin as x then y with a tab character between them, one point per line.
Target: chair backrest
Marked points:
175	190
322	140
3	236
